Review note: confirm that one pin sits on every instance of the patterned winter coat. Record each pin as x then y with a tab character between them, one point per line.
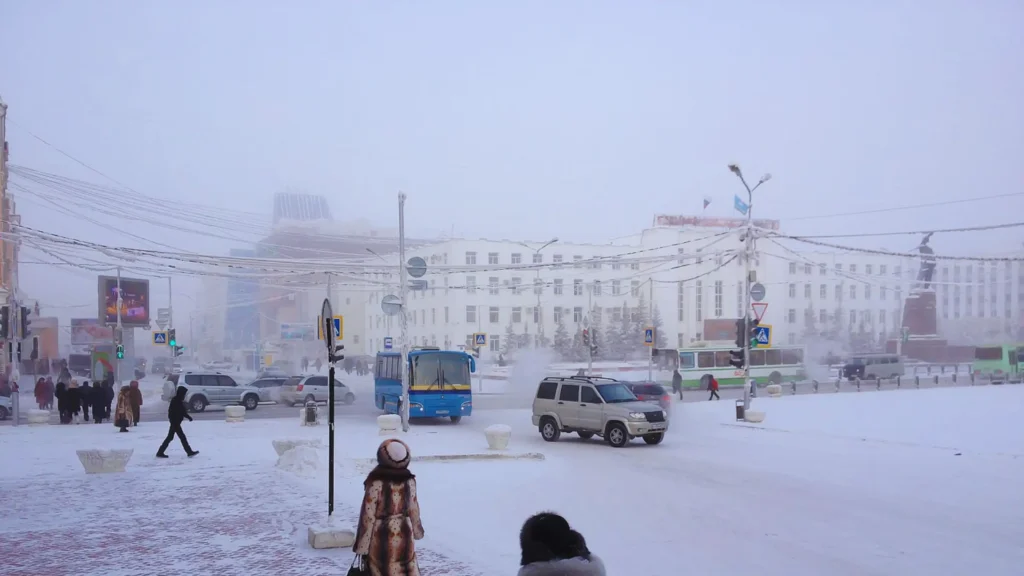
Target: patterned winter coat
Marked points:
388	523
123	412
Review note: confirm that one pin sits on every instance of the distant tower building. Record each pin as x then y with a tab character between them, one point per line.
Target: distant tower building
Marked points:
302	207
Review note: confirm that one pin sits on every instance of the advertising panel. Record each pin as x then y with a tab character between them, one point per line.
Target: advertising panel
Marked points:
89	331
702	222
298	332
134	301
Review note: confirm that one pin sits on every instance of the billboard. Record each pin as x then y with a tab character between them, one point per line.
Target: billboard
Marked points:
89	331
701	222
134	301
298	332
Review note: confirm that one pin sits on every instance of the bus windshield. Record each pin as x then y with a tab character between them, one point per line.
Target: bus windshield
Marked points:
432	370
988	353
454	369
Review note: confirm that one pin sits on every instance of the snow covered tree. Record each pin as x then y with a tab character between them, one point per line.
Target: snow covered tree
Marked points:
640	321
511	340
578	353
612	342
597	336
562	342
660	339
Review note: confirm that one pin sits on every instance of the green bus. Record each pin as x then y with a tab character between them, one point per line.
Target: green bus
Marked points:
1000	363
767	365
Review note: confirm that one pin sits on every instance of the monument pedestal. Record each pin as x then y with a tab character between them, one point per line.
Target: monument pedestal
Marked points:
919	314
921	321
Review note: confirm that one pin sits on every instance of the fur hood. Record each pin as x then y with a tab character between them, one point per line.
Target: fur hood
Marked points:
570	567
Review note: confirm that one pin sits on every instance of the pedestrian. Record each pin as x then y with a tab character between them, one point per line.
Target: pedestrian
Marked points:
713	387
40	393
74	402
550	547
389	519
135	395
61	392
85	396
99	403
318	364
109	395
176	412
677	383
123	412
50	391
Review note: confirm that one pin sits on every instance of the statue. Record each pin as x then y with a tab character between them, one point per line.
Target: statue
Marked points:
924	276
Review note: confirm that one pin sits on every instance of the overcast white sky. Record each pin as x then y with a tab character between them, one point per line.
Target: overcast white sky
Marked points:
522	119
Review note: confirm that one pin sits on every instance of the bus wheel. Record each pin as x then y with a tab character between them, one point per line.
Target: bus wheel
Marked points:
456	419
775	378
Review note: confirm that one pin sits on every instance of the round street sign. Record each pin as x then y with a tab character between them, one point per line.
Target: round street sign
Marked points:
757	292
327	318
390	304
416	267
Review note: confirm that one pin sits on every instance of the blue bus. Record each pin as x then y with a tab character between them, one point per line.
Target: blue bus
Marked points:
439	383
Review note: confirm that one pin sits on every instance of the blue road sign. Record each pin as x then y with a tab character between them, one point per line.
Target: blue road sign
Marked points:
480	339
763	336
389	343
159	337
648	336
740	205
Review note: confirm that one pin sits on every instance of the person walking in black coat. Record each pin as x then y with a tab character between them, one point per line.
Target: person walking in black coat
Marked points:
176	412
100	405
60	393
85	397
109	395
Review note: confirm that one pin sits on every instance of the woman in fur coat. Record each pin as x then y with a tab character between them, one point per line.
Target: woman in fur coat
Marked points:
123	416
551	548
389	520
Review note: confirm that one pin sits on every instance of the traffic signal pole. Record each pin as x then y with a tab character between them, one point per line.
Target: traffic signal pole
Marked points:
118	334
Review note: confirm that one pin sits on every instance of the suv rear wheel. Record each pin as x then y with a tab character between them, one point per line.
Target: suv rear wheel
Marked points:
251	401
197	403
654	438
549	429
617	435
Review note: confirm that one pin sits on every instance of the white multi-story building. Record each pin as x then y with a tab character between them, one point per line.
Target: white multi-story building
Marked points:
694	267
980	302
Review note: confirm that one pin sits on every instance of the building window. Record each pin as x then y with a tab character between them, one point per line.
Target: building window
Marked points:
558	314
516	285
536	315
538	286
471	284
577	287
700	301
634	288
680	341
718	299
492	285
470	258
679	255
807	291
470	314
558	287
495	342
822	269
881	292
867	291
495	316
807	269
556	259
881	269
853	291
791	316
597	288
446	285
792	267
616	287
517	258
446	315
896	271
792	290
680	300
577	314
853	268
823	291
853	318
517	315
867	269
577	261
822	316
634	266
433	315
881	316
616	314
839	292
791	338
492	257
538	258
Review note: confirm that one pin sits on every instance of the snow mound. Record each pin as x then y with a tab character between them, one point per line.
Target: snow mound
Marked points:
301	460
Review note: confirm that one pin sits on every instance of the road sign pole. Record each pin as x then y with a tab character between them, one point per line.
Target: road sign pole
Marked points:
654	336
403	320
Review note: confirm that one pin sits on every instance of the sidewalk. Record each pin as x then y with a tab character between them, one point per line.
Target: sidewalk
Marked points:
177	516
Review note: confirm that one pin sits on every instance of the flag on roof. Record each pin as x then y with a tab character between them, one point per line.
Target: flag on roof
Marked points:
707	200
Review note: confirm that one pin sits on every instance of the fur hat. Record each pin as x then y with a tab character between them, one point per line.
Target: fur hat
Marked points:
393	453
547	536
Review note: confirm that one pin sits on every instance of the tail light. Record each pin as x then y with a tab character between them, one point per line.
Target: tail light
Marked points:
665	398
298	388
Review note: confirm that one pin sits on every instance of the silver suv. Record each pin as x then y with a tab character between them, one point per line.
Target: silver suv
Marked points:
209	387
303	389
590	406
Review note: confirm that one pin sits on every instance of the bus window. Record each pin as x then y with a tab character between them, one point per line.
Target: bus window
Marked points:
988	353
792	356
772	357
705	359
454	369
379	368
686	360
757	357
426	370
1020	356
722	358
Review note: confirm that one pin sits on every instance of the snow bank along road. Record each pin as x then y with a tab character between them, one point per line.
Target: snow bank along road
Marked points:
905	482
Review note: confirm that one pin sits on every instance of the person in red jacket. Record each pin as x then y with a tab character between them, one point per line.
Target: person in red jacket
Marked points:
713	387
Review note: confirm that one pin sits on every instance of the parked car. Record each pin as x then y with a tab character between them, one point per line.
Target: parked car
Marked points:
6	408
302	389
205	388
269	388
592	406
219	365
160	365
651	392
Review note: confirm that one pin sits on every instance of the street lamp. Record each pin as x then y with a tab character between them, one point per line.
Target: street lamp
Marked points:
540	314
748	239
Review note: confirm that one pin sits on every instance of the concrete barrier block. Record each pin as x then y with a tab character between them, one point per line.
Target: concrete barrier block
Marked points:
325	537
104	461
234	413
38	417
774	390
389	424
284	445
498	436
754	417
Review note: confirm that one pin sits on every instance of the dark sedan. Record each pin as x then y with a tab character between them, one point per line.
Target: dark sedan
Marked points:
651	392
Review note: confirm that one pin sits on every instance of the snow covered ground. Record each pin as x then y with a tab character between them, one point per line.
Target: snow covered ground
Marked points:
901	482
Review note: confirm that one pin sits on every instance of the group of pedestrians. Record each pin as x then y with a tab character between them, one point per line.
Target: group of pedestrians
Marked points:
389	524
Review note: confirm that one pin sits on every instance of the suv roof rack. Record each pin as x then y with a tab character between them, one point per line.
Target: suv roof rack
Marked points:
583	378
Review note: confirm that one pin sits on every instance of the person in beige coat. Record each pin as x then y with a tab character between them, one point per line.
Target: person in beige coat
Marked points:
389	520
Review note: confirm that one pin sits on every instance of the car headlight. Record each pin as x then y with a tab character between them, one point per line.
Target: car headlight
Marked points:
637	416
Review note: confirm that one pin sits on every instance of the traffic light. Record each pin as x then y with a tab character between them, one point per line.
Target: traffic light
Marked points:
753	333
120	351
338	354
179	350
586	337
5	322
171	340
475	352
740	329
736	359
26	324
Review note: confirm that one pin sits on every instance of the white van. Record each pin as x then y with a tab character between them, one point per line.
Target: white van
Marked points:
871	366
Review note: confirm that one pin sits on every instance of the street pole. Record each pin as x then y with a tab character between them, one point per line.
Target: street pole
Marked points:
118	334
170	317
590	349
403	317
654	336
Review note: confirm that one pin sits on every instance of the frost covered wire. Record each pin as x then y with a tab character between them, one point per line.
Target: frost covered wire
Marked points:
899	254
915	232
908	207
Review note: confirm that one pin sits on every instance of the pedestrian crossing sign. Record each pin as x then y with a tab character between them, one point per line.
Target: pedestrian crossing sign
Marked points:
480	339
339	328
762	336
159	337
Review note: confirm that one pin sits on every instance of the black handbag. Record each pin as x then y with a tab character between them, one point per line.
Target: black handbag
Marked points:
359	567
